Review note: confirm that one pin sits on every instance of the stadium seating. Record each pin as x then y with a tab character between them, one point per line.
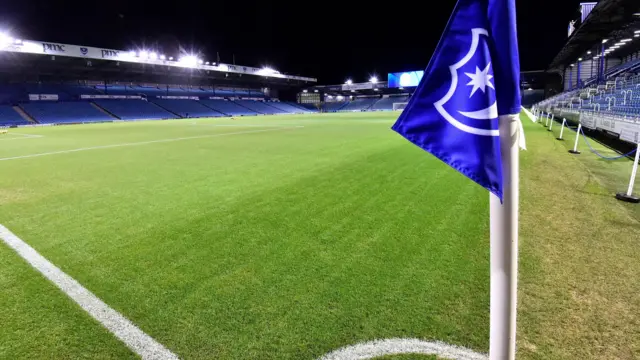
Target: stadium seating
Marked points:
187	108
9	117
334	106
135	110
308	107
361	104
227	107
386	103
259	107
64	112
289	108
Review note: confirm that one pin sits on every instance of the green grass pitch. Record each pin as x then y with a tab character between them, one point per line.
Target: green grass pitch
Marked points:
287	237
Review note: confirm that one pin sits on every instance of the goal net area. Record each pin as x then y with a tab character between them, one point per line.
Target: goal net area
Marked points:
399	106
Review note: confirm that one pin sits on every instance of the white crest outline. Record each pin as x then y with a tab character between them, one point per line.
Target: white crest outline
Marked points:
491	110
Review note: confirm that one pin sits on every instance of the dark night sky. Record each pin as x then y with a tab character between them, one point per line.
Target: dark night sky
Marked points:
330	42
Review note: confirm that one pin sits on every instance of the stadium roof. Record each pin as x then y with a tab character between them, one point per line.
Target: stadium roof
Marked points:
47	52
608	19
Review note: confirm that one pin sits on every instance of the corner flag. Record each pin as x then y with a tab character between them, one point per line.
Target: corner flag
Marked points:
472	78
465	112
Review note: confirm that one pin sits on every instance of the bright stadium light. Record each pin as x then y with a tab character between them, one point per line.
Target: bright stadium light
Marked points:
170	58
316	90
349	82
200	62
373	79
206	63
305	91
144	54
588	52
605	41
223	67
17	41
153	56
579	59
162	57
5	39
189	60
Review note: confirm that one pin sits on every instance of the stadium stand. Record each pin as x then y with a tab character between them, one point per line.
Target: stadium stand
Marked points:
289	108
187	108
134	109
64	112
227	107
10	117
361	104
334	106
259	107
386	103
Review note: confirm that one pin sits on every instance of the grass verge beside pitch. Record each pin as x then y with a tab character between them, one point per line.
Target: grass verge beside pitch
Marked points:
579	264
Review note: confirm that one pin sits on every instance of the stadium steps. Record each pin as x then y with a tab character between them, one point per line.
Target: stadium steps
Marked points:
167	110
24	115
255	111
207	106
105	111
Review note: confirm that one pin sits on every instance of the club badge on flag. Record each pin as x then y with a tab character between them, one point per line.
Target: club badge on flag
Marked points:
453	114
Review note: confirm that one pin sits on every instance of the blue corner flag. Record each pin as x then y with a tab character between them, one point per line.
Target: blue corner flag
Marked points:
471	80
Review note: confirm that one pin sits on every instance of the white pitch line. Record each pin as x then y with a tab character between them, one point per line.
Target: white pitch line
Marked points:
135	339
396	346
26	135
144	143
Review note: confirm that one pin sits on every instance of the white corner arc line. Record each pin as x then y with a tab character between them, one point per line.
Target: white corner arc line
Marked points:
134	338
145	143
396	346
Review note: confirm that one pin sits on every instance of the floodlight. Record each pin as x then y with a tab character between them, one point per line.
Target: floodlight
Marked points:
588	52
144	54
170	58
572	65
206	63
579	59
305	91
189	60
200	62
373	79
316	90
162	57
349	82
153	56
605	41
5	39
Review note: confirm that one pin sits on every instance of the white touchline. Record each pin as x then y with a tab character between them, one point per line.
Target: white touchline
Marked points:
377	348
21	136
145	143
135	339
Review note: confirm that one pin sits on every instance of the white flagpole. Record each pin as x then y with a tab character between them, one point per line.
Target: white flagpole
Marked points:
504	246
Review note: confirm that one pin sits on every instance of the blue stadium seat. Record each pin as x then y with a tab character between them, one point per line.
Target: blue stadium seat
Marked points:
386	103
227	107
64	112
260	107
9	117
187	108
135	109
